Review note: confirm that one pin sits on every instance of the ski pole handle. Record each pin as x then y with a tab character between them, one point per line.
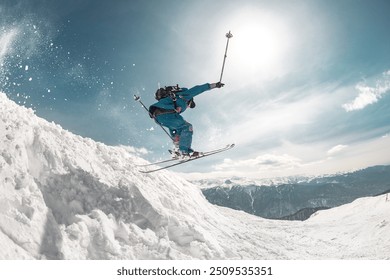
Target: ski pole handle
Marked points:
138	98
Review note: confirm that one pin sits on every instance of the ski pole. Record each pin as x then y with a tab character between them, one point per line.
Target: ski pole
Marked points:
228	36
138	98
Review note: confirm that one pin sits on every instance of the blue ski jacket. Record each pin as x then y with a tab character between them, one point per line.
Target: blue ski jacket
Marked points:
182	98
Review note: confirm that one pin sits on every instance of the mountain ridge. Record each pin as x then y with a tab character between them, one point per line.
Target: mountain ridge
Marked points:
292	195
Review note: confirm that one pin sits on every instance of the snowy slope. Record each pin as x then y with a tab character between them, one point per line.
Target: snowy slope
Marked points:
67	197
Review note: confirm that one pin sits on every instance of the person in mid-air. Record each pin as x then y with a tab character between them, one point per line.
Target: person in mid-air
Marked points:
173	101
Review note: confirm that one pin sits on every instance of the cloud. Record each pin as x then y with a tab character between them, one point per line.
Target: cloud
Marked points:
266	121
262	162
302	160
369	95
336	149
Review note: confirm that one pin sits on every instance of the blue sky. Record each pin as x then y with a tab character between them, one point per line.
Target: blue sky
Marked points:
307	82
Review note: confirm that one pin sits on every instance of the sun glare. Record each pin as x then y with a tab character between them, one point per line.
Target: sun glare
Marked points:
260	46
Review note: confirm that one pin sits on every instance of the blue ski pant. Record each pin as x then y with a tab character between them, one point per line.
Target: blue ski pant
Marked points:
178	127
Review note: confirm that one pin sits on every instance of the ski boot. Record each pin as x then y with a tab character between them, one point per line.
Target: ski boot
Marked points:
190	154
175	152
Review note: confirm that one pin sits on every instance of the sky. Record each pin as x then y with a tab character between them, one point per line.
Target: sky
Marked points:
307	83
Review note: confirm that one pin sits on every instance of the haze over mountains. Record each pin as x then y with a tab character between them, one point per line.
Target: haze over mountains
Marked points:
283	198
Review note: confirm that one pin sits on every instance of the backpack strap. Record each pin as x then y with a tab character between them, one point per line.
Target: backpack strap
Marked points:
173	96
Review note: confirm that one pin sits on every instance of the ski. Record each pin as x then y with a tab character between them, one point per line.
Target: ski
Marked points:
158	162
179	159
182	161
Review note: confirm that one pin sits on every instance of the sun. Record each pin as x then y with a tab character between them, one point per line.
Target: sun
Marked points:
260	45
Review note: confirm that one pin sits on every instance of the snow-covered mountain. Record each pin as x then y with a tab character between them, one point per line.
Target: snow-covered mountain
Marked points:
296	197
67	197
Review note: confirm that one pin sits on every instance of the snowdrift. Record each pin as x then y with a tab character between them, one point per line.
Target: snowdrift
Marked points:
67	197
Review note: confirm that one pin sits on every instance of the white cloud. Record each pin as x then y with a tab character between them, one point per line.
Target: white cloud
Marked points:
369	95
272	165
336	149
260	120
262	162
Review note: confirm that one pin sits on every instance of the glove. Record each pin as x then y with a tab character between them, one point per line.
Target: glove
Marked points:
216	85
219	85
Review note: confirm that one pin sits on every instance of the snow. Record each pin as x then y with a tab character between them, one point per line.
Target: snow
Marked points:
63	196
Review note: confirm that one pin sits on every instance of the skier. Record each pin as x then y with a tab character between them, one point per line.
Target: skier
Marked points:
173	101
